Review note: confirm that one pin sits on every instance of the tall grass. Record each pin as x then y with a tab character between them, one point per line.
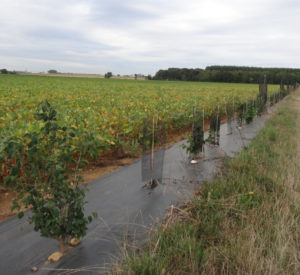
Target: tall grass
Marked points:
246	221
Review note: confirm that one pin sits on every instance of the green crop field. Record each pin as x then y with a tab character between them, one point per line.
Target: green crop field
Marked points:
108	113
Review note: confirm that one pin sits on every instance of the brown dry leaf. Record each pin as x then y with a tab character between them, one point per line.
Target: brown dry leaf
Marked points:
74	242
55	257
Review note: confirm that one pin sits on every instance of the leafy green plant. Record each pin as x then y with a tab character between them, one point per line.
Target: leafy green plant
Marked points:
229	111
196	140
260	106
229	108
251	111
40	172
214	131
241	111
160	133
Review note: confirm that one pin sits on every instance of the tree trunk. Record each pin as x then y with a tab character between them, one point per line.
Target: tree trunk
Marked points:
62	245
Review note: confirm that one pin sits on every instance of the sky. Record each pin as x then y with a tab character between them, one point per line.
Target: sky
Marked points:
131	36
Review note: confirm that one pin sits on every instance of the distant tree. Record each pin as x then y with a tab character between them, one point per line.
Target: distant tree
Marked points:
108	75
135	76
4	71
52	72
149	77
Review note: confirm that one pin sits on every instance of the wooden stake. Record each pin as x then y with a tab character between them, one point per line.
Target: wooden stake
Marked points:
218	124
228	119
152	152
193	127
233	106
203	125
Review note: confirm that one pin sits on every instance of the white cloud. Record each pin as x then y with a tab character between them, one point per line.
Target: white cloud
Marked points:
143	36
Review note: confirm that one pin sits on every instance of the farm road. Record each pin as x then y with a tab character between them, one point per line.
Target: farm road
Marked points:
126	210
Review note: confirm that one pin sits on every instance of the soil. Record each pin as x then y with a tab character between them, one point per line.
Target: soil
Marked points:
107	163
6	198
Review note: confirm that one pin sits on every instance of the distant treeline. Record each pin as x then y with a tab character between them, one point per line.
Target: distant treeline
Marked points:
236	74
5	71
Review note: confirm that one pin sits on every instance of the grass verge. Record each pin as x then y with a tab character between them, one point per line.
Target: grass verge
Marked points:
246	221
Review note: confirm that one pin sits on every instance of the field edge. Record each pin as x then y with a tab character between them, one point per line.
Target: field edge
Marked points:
245	221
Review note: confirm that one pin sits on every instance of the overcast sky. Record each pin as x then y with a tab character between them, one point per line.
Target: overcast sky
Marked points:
131	36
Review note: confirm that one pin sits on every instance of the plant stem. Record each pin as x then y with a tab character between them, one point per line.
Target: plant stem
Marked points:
62	245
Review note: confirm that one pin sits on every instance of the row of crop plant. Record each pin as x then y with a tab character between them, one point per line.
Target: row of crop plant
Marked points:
245	113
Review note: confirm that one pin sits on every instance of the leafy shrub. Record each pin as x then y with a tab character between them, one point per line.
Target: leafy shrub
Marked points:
40	173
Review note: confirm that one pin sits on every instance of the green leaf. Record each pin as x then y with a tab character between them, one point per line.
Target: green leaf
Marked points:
95	215
14	171
21	215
